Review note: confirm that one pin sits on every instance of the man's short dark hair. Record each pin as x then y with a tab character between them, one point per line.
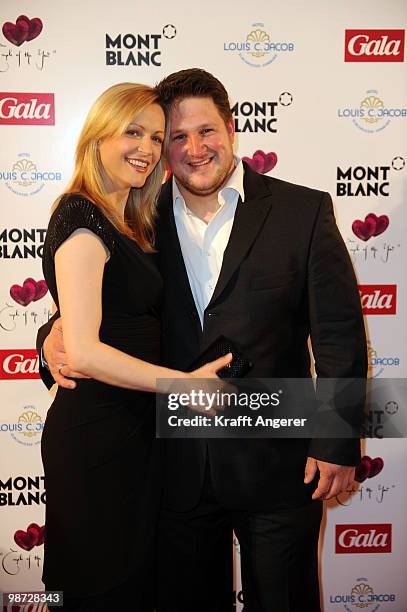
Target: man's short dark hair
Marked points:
193	83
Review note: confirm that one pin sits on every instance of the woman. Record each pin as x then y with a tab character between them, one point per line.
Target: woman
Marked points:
99	452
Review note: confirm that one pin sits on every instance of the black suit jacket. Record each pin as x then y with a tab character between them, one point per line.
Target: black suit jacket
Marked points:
286	275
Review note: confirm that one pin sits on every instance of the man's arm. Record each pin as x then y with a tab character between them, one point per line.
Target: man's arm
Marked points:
42	334
338	343
53	358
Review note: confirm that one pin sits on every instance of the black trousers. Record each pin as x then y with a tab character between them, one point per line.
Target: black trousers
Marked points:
279	558
132	596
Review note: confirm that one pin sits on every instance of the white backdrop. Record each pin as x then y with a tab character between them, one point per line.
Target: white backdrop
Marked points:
316	119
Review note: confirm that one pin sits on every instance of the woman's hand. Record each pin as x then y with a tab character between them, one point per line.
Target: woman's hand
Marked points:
210	369
209	387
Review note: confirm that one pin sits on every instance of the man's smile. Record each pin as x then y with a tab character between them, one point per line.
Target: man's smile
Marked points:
201	163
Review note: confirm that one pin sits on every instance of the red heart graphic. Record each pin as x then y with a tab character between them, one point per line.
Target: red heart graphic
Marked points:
363	469
34	536
364	229
35	28
269	160
382	223
255	163
23	30
16	33
368	468
31	291
38	532
371	226
25	539
34	533
25	294
376	466
41	289
261	162
41	537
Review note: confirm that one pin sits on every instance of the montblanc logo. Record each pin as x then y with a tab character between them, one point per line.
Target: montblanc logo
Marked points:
22	491
364	181
137	49
22	243
259	116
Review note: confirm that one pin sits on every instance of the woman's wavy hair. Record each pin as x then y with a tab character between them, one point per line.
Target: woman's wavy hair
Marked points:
109	117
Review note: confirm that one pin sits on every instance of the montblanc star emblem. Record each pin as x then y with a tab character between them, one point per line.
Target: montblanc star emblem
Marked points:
285	98
398	162
391	407
169	31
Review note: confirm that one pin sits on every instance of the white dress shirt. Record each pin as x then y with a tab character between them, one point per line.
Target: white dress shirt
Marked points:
203	244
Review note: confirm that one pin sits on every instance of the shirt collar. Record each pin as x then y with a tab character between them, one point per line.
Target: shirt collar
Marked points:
234	182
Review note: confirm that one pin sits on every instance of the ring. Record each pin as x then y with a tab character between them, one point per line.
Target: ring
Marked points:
60	368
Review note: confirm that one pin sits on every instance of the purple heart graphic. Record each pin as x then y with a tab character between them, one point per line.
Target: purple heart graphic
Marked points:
261	162
23	30
31	291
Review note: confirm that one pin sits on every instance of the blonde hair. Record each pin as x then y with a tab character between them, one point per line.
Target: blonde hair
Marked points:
109	117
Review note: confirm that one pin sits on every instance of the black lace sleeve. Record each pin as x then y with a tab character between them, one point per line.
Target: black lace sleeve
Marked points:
75	212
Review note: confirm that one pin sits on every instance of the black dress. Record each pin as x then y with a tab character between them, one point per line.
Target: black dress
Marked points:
98	446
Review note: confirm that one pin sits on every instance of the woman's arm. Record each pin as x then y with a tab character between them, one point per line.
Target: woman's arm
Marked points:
79	266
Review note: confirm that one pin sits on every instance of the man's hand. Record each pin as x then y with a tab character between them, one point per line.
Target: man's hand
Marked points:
56	358
333	478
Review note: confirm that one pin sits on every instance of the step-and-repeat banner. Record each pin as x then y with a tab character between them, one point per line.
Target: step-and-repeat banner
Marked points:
318	92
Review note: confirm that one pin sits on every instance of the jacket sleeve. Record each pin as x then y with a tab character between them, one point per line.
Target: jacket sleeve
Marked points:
337	334
43	332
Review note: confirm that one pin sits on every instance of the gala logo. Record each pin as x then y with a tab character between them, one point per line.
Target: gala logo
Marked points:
373	538
19	364
374	45
378	299
27	108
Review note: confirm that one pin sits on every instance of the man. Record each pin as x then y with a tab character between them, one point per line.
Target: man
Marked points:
260	261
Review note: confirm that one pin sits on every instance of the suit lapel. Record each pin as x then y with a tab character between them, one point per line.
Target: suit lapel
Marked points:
249	218
170	254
